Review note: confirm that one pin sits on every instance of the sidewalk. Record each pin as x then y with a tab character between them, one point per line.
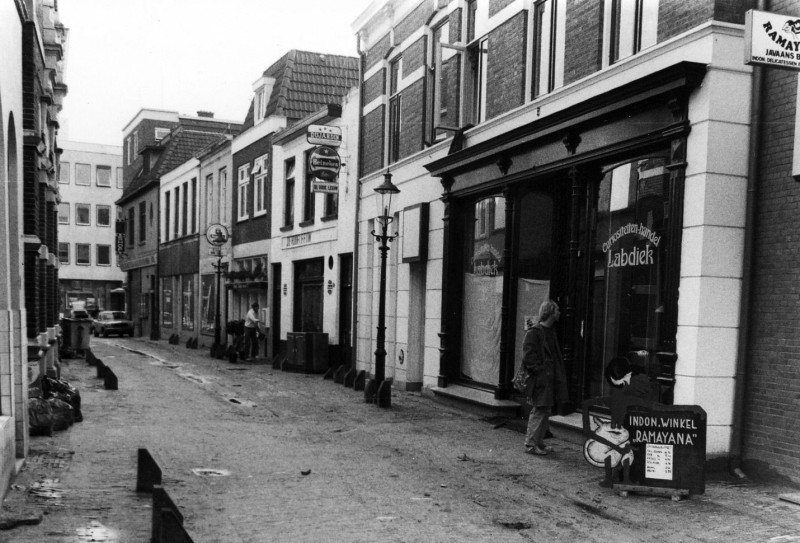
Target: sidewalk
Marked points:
304	459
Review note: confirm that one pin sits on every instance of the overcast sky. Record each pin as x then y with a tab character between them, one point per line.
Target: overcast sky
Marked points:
184	55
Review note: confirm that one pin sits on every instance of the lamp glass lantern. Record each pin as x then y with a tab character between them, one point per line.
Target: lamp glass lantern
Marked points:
386	190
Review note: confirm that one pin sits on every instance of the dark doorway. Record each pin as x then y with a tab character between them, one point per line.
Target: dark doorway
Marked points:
308	295
346	309
277	282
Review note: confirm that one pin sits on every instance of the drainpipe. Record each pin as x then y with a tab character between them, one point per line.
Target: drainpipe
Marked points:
359	131
737	432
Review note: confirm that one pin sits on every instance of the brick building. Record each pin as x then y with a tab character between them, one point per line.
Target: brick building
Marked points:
32	90
589	152
155	143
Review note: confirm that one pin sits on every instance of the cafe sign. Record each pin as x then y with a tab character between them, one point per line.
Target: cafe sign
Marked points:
324	135
772	40
324	163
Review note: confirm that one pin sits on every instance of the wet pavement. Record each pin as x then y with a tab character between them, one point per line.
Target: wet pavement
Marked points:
253	454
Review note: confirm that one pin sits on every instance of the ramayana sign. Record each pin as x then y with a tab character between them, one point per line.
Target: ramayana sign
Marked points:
772	40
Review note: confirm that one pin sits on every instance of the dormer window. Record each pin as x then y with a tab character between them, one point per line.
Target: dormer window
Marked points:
161	133
262	90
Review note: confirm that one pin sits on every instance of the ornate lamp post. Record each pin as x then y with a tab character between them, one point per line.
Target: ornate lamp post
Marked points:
378	390
217	236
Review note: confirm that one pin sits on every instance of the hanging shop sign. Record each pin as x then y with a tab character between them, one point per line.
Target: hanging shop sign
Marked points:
326	187
318	134
772	40
324	163
647	446
120	237
639	252
217	234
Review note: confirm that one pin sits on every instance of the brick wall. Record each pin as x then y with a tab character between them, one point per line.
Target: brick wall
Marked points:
377	52
414	56
413	119
732	11
374	87
497	5
582	56
506	65
414	20
771	433
677	16
372	141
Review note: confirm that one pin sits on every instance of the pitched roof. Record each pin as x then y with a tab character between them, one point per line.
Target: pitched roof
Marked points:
179	146
306	82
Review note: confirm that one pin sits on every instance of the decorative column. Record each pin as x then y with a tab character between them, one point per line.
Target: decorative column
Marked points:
447	251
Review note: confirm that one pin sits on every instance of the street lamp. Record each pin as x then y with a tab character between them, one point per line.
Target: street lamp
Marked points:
378	390
217	235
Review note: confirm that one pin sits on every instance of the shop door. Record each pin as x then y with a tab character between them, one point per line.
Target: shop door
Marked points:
308	296
277	281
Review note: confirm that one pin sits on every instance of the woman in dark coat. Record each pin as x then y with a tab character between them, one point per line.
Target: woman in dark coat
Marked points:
541	356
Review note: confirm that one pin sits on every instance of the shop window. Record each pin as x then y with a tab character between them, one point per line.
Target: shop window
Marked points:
103	176
288	193
187	302
83	174
632	25
629	263
83	214
395	105
166	302
208	304
63	213
63	173
446	77
548	51
483	290
103	215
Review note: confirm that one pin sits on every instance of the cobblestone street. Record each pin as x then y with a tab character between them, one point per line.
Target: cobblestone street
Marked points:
253	454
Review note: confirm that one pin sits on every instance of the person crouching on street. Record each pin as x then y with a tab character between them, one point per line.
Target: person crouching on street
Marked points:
541	356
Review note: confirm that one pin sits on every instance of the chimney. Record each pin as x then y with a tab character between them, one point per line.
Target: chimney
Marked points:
206	114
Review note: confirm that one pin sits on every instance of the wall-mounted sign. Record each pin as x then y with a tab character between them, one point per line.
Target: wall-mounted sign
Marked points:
296	240
324	135
772	40
324	163
217	234
327	187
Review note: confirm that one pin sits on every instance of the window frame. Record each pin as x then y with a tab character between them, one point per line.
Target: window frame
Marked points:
97	209
88	248
142	222
80	166
64	173
243	188
618	16
88	208
131	225
97	169
64	206
309	196
120	178
289	185
63	250
97	255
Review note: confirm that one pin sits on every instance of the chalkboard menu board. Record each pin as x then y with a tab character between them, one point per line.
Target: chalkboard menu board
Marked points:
646	444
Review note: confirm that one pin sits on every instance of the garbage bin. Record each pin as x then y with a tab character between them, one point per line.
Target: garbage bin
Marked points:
76	327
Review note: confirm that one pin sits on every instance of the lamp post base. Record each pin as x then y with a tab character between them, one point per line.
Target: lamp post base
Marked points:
379	393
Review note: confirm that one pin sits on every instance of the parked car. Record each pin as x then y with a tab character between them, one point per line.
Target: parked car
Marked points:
112	322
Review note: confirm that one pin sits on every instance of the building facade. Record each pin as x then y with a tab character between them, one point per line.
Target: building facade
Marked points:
610	178
90	182
160	150
282	96
32	90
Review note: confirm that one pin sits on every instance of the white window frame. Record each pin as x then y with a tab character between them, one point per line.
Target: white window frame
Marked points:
549	26
223	194
97	169
260	104
77	215
260	171
61	207
639	22
212	203
87	167
89	253
62	244
243	187
64	173
97	255
120	178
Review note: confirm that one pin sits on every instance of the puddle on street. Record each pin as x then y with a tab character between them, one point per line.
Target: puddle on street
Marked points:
96	532
206	472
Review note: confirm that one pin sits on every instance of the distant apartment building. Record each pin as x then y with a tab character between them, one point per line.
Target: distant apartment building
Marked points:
90	182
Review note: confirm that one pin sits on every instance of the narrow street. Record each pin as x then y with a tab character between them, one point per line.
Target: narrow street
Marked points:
253	454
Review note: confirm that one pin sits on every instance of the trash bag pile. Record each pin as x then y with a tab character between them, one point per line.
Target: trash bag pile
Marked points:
56	410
